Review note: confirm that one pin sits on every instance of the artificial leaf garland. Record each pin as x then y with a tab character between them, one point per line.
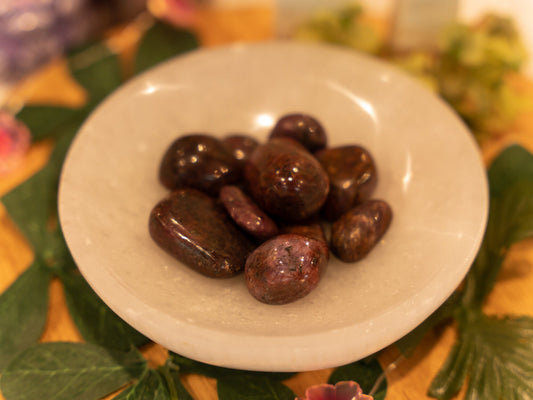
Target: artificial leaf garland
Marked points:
151	386
242	387
32	205
23	308
95	321
495	354
66	371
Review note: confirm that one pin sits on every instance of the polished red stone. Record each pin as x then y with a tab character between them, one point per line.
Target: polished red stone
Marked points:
197	231
246	214
286	181
358	231
285	268
353	178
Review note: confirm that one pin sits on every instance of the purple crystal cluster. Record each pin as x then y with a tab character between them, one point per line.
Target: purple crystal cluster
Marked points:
34	31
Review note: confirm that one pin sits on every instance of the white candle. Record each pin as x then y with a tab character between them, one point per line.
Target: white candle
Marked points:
418	23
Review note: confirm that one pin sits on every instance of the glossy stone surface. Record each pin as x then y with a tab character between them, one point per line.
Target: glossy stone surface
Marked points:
190	225
311	227
356	233
285	268
200	161
303	128
246	214
286	181
241	146
353	178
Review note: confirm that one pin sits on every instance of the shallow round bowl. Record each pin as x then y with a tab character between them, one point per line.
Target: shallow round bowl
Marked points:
430	172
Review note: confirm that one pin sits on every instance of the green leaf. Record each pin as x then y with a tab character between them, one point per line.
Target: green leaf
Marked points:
23	309
33	204
97	69
514	210
66	371
172	376
247	387
496	354
513	164
96	322
365	372
160	43
151	386
510	220
186	365
181	391
452	375
43	121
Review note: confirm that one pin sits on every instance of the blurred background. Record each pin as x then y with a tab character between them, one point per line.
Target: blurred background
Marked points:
34	31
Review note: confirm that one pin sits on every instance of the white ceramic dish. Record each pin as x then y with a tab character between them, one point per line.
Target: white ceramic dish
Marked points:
430	171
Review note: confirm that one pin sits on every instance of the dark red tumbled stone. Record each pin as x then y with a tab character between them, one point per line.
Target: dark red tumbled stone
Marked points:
197	231
200	161
353	178
356	233
303	128
285	268
241	146
286	181
246	213
310	228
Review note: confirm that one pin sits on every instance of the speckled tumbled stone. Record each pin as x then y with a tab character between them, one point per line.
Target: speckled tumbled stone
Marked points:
197	231
358	231
246	213
285	268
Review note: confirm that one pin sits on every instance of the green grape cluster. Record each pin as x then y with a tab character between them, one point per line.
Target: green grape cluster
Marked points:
473	65
345	26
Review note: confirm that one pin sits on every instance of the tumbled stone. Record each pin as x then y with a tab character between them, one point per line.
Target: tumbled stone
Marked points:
197	231
286	181
285	268
241	146
199	161
246	214
353	177
358	231
311	227
303	128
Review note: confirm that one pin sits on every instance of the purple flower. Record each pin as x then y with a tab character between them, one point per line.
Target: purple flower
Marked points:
346	390
34	31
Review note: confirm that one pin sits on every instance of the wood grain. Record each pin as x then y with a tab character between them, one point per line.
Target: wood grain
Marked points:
411	378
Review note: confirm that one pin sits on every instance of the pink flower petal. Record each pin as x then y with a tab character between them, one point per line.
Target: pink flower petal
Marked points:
320	392
346	390
350	390
176	12
15	140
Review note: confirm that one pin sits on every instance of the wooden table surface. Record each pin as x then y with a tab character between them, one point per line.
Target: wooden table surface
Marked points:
410	379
